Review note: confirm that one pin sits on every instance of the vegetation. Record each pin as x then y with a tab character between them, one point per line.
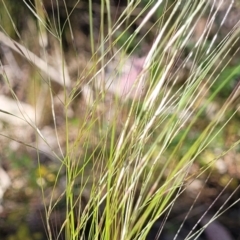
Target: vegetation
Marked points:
119	111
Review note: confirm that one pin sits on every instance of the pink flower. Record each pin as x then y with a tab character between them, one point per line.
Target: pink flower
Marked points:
124	79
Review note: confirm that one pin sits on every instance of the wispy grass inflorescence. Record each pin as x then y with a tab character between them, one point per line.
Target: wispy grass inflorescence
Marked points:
130	123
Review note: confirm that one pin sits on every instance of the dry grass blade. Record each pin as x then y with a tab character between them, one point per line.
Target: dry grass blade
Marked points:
60	77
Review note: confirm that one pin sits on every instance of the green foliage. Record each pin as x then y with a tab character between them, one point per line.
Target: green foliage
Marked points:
129	156
229	77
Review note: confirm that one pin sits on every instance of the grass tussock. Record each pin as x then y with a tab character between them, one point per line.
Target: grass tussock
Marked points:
131	113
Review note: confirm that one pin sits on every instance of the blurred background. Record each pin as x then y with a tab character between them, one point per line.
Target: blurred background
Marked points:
27	162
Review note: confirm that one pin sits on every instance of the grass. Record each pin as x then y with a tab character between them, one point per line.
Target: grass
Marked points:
127	150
